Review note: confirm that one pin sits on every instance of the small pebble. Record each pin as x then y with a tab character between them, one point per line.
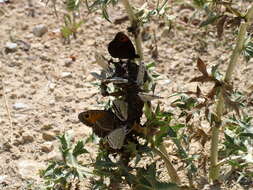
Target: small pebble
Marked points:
51	86
66	74
27	137
47	147
4	1
28	169
40	30
68	62
19	106
10	47
2	177
48	136
23	45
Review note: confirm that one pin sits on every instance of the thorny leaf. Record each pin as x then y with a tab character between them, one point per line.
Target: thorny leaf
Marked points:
234	22
220	25
205	76
212	92
188	117
202	79
199	93
200	135
79	149
231	104
202	67
248	49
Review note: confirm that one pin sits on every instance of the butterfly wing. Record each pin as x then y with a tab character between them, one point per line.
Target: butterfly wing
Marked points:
117	137
141	74
120	108
121	47
101	121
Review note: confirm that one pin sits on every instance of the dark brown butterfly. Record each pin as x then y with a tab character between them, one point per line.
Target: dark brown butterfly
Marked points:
102	121
121	47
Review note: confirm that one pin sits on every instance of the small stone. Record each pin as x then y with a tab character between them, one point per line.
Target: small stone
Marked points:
39	30
47	147
19	106
4	1
68	62
23	45
66	75
28	169
13	96
2	177
45	58
48	136
51	102
10	47
31	58
5	147
27	137
51	86
47	127
18	141
165	82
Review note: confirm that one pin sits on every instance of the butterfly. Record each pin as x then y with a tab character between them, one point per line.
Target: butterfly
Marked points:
121	47
102	122
105	124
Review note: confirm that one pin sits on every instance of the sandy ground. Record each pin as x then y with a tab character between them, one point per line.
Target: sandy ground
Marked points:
45	90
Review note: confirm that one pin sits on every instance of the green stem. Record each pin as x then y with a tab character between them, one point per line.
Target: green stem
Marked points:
214	168
134	23
171	170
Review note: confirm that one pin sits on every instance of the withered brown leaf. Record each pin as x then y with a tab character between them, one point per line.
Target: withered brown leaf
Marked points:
202	67
220	25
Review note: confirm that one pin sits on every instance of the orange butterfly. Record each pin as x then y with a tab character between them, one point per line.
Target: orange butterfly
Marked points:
106	124
102	121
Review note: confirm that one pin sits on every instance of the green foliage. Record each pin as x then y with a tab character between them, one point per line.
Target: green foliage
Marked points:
71	26
199	3
144	14
67	172
146	179
239	136
248	49
72	5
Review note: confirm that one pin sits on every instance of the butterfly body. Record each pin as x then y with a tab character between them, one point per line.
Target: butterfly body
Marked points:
121	47
101	121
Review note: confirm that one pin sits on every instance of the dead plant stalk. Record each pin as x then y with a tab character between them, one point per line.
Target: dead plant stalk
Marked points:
214	168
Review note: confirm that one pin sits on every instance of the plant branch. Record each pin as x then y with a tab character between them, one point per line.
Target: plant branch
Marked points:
230	158
214	168
239	45
134	24
171	170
